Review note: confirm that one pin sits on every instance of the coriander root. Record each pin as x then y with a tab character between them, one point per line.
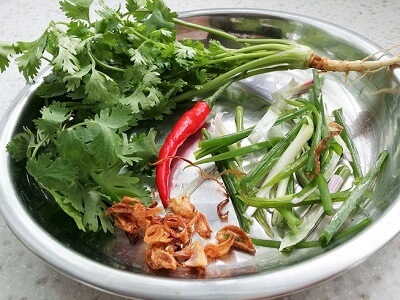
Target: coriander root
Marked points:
326	64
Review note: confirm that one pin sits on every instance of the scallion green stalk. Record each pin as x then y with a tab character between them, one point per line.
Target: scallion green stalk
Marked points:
345	135
239	151
231	187
286	200
325	195
348	206
258	173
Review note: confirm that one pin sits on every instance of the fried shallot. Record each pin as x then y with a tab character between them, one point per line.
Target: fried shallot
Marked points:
169	237
241	239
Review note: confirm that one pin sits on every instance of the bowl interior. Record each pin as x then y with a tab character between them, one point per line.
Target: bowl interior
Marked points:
371	110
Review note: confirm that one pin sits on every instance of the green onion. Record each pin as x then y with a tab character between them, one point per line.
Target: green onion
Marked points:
258	173
291	219
355	163
231	186
239	120
287	200
347	207
345	234
289	170
288	155
239	151
325	195
259	215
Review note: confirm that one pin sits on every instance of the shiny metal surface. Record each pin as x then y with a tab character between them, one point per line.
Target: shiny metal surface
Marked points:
111	264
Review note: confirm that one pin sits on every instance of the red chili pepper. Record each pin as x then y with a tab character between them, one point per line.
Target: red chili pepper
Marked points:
190	122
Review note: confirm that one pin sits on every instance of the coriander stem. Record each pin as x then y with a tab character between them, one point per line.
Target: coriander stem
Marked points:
296	58
224	34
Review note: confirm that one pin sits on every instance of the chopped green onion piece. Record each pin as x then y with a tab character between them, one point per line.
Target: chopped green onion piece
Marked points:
347	207
239	152
345	135
286	201
325	195
258	173
289	170
291	219
231	186
259	215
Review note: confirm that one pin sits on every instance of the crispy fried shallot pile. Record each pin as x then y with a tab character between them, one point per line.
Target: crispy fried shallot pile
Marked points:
170	237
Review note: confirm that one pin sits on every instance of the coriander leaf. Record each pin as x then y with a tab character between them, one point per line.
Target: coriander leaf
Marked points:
66	59
18	146
151	77
161	17
104	127
126	154
6	50
78	29
95	210
183	52
161	35
133	5
111	39
110	18
71	145
67	208
141	149
75	195
154	95
52	118
30	59
51	173
117	119
143	55
73	81
141	75
138	101
101	88
105	222
103	147
76	9
51	88
117	184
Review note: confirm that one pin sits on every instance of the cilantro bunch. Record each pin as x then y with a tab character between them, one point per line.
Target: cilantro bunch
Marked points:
108	75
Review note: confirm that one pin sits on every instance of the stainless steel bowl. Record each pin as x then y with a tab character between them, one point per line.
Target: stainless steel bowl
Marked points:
109	263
